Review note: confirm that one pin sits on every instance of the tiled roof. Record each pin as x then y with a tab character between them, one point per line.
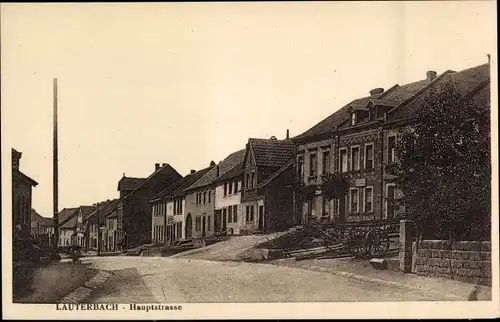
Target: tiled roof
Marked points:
164	168
18	173
234	172
270	152
66	214
129	183
273	176
35	216
177	188
464	81
105	207
224	166
87	211
390	97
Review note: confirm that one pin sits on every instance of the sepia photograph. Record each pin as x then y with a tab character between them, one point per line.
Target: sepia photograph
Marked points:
250	160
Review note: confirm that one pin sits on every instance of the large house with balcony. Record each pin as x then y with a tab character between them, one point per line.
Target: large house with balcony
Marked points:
359	142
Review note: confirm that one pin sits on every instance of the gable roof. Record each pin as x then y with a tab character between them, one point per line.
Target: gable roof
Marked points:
66	214
464	81
271	152
177	188
36	217
223	167
276	174
18	173
163	169
234	172
129	183
391	97
105	207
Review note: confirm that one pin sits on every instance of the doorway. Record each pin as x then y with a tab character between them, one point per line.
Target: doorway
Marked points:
203	226
189	226
261	218
342	202
217	223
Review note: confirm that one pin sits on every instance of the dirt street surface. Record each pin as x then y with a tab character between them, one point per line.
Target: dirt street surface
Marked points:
176	280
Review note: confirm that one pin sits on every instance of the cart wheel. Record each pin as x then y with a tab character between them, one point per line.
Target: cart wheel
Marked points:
359	250
380	246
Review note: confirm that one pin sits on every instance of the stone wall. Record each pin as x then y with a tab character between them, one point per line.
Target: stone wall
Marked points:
465	261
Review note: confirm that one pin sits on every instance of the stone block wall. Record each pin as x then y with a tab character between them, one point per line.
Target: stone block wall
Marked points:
465	261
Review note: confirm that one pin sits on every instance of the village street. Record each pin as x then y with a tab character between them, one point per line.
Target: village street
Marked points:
179	280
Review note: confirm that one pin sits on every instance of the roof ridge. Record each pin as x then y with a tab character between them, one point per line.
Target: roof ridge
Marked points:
422	90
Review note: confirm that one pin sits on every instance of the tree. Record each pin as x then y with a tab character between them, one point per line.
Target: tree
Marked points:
444	170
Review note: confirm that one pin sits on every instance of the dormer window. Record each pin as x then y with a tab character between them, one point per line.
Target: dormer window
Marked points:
353	118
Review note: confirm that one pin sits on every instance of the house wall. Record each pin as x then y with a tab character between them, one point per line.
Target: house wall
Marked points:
65	236
223	203
159	210
251	225
197	210
21	204
177	229
278	209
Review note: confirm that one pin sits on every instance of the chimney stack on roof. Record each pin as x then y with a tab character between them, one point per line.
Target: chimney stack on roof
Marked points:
272	138
376	91
157	166
212	163
287	133
431	75
217	171
489	58
193	171
163	164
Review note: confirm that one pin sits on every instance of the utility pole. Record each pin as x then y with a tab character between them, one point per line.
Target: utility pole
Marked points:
55	173
98	232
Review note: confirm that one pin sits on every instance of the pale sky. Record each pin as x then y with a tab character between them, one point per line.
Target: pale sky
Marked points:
187	83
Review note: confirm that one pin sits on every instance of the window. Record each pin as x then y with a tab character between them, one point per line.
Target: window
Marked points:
209	196
204	197
253	179
391	149
247	180
353	118
198	223
368	199
312	165
354	199
326	206
355	158
391	194
230	188
247	213
343	160
369	156
209	223
224	215
326	162
230	214
300	169
251	212
235	213
236	186
225	189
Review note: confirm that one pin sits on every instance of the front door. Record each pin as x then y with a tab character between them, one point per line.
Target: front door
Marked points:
342	209
224	219
217	223
203	226
390	202
261	217
189	226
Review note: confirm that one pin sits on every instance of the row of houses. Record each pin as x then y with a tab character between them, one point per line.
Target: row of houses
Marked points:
272	184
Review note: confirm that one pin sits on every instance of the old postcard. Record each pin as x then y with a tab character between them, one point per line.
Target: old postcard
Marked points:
250	160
